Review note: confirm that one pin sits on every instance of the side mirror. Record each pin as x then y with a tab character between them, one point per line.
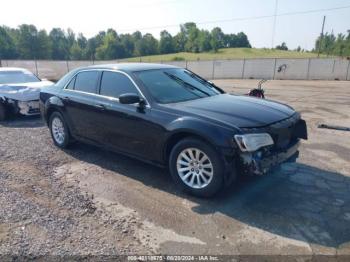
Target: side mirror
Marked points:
129	98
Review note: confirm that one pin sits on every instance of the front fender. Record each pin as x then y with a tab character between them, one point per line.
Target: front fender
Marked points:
217	135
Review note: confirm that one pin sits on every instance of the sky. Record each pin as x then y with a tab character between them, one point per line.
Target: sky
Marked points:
153	16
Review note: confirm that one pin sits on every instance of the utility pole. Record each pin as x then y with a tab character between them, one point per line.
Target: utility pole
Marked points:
274	25
320	43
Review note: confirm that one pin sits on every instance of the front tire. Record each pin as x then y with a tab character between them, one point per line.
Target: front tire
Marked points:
3	113
59	130
196	167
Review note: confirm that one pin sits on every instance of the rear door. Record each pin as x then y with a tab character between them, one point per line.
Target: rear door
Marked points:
80	103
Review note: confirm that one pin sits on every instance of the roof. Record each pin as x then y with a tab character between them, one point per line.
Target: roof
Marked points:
13	69
132	66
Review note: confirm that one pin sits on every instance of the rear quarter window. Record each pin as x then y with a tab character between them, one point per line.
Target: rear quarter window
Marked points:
71	84
86	81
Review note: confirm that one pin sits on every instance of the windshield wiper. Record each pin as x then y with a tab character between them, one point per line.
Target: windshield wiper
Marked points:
184	83
203	81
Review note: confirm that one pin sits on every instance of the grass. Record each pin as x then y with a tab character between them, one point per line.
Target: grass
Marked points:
225	53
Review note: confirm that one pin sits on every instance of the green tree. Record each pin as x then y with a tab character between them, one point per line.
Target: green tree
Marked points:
33	44
28	42
59	44
128	44
147	45
111	47
166	43
204	41
76	52
7	44
217	39
192	37
239	40
179	42
282	46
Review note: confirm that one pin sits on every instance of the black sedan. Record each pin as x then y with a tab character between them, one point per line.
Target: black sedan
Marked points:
170	116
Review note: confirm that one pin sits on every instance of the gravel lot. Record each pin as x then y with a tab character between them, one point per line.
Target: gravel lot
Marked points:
87	201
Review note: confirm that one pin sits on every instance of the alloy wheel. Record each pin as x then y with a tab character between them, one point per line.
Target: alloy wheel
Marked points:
194	168
58	131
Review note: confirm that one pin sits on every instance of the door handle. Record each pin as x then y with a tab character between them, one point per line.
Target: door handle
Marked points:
66	99
101	107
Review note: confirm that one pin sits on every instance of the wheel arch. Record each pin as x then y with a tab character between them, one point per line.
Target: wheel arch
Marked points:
217	136
51	105
176	137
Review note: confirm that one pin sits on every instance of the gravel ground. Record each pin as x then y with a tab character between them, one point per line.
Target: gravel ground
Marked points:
87	201
41	214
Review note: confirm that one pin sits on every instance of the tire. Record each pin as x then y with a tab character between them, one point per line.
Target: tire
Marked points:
3	113
206	181
59	130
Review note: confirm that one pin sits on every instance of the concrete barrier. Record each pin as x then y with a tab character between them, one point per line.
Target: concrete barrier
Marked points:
202	68
259	68
228	68
176	63
291	69
268	68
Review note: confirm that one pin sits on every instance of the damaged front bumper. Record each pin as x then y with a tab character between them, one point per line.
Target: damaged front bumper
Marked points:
26	108
261	161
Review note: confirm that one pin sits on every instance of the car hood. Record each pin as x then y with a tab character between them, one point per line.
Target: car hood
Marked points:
237	111
23	91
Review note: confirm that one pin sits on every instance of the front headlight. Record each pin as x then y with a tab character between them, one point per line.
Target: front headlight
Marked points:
252	142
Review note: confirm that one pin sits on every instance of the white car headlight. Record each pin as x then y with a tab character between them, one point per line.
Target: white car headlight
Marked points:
252	142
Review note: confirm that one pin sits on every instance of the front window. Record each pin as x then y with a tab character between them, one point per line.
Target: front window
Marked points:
14	77
175	85
115	84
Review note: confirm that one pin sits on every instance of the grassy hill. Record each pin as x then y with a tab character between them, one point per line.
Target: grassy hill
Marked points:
225	53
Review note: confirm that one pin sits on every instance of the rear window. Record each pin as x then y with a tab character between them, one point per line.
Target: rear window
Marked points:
115	84
71	84
13	77
86	81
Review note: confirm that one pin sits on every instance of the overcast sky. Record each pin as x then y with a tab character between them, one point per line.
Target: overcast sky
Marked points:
90	17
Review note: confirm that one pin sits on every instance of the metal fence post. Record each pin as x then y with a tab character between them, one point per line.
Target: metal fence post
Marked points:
36	68
213	70
274	69
347	72
0	63
308	70
186	64
243	68
67	66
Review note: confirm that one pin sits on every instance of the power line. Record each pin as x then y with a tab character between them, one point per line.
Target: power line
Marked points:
242	18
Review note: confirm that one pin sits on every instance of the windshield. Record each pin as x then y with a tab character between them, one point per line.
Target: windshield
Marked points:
13	77
175	85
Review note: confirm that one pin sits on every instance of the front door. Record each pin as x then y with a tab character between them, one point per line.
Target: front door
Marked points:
122	126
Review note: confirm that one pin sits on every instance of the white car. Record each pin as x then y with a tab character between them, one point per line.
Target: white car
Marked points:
19	92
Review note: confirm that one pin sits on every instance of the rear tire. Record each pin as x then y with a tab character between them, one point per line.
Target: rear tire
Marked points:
196	167
3	113
59	130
